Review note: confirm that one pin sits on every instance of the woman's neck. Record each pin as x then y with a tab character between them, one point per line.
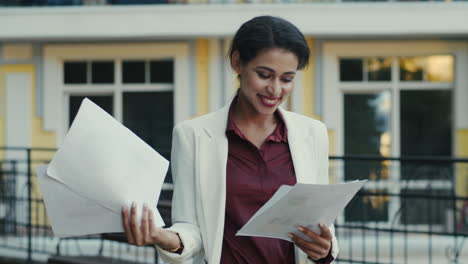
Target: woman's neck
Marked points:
246	116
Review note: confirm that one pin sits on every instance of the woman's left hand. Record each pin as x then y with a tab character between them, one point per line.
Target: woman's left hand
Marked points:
320	245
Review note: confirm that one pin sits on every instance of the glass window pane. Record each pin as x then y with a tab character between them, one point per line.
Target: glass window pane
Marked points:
133	72
106	102
367	132
379	69
367	123
162	71
372	206
411	69
74	72
426	130
351	70
440	68
424	206
436	68
150	115
102	72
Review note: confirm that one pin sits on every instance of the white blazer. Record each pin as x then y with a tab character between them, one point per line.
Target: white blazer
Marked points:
198	163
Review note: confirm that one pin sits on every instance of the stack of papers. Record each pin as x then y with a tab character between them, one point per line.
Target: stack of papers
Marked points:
101	167
300	205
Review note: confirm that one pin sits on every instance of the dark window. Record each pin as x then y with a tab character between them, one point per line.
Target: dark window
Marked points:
162	71
133	72
102	72
425	206
150	115
351	70
368	206
74	72
105	102
426	130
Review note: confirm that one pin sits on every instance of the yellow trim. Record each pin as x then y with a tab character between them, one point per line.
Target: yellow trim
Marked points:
17	52
308	82
39	137
202	55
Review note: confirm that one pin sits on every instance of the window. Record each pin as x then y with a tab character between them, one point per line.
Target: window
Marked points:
142	99
404	100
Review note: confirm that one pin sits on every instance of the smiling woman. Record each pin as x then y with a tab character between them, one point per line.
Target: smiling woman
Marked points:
228	164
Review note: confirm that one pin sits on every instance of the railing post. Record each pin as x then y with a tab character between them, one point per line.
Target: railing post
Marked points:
29	175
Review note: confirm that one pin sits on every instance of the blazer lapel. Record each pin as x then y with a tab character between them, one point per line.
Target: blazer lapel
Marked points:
302	147
213	146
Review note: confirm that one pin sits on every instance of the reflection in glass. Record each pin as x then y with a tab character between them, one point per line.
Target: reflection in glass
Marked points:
367	132
436	68
379	69
351	69
367	123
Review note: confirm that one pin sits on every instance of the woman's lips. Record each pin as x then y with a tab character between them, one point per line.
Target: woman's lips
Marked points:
268	101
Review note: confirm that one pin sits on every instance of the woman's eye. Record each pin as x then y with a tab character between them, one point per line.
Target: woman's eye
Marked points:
287	80
263	76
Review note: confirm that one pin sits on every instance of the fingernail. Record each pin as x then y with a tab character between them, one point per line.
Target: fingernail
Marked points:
300	228
290	235
133	205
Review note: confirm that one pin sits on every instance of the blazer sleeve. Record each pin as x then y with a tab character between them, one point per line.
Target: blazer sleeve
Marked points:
323	172
184	219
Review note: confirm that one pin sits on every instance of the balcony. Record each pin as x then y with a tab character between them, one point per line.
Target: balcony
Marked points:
108	20
408	212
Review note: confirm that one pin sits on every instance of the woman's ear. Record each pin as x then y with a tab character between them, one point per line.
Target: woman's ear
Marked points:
235	62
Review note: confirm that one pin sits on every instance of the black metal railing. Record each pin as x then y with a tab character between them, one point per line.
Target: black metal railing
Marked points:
411	210
25	233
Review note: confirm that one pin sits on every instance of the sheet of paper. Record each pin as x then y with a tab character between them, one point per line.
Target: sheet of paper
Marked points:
304	204
108	164
71	214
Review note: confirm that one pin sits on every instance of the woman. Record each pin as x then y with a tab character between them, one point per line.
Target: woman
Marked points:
227	164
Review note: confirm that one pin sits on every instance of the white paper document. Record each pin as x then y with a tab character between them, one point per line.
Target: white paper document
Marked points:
300	205
100	167
71	214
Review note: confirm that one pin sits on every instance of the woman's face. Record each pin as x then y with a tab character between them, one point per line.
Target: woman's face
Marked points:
267	80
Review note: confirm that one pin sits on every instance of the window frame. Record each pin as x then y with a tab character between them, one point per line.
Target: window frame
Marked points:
56	93
334	90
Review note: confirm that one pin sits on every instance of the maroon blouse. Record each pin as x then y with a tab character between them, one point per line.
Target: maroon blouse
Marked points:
253	176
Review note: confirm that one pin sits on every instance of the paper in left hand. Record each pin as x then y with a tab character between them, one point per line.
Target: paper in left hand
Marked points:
71	214
105	163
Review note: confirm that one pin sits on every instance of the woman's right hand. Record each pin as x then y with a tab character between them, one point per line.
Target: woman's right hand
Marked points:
146	233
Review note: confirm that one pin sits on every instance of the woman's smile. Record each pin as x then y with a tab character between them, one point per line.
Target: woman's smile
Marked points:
269	101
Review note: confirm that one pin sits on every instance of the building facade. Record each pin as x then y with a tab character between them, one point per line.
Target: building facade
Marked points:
389	79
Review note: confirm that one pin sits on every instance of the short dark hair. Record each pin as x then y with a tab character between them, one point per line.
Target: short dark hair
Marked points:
266	32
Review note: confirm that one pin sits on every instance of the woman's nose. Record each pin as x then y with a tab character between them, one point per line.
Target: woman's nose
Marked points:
274	88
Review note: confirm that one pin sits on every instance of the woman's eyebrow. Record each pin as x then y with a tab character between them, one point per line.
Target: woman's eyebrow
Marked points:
271	70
